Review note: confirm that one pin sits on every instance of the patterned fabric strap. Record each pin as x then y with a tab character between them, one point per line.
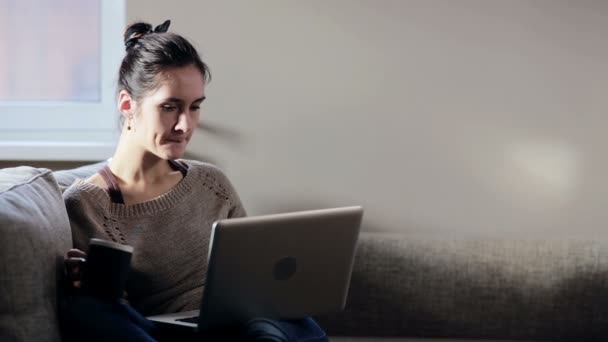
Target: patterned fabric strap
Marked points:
112	183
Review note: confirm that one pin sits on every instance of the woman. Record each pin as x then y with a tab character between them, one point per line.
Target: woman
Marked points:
162	206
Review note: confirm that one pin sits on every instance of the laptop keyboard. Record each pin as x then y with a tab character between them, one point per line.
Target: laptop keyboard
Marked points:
189	319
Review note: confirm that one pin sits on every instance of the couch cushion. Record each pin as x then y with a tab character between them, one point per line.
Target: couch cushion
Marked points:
34	235
408	339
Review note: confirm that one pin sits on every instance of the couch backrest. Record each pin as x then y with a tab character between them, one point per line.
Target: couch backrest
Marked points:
65	178
34	235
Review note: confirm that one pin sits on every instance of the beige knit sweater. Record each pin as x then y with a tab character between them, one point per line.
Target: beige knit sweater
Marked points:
170	234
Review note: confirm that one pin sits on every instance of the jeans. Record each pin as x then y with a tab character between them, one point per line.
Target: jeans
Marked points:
85	318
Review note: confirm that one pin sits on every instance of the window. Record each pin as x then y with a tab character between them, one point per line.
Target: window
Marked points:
58	67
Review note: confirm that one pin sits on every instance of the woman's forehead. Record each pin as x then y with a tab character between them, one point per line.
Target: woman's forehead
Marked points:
185	82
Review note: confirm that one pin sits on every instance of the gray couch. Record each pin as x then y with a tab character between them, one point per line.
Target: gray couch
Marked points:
404	287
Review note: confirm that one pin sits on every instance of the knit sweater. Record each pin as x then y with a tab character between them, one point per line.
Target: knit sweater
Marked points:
170	234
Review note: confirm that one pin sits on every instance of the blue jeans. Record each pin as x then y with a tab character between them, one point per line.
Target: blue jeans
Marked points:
85	318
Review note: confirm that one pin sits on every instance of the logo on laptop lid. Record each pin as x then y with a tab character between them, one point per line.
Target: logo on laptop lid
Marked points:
285	268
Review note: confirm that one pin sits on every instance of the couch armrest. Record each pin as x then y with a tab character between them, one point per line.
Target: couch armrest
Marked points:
543	289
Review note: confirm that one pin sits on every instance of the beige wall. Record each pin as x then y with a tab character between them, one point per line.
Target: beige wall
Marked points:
437	116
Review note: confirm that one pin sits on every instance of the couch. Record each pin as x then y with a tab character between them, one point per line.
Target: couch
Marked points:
405	287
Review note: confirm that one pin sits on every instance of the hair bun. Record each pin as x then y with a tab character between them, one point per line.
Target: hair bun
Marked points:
135	31
164	27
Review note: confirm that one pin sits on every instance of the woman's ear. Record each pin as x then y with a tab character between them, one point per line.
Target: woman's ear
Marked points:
126	105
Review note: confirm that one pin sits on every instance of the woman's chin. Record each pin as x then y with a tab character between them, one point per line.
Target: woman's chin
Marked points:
173	153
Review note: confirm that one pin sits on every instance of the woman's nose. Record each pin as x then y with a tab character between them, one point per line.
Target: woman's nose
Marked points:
184	122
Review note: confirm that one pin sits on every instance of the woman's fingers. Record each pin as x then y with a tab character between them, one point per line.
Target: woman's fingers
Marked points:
74	266
75	253
74	263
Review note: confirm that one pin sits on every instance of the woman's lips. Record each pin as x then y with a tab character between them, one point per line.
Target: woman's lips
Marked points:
176	141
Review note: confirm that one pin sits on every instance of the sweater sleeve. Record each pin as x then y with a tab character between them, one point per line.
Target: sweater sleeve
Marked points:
237	209
77	216
236	206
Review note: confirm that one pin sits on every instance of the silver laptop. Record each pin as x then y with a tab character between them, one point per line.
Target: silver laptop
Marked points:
282	266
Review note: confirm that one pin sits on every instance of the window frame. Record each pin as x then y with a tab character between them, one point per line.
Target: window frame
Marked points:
66	130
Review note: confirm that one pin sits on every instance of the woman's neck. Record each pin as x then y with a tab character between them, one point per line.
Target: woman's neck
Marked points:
133	165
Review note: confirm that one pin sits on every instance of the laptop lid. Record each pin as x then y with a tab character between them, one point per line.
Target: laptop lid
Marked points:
281	266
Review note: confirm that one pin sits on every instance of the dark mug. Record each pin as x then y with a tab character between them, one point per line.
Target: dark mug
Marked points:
107	269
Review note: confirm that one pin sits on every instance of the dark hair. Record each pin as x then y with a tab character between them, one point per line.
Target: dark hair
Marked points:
149	53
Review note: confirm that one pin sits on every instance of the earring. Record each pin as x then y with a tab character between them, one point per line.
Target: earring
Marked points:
129	125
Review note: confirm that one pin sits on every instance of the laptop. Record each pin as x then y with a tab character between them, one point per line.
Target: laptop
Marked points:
280	266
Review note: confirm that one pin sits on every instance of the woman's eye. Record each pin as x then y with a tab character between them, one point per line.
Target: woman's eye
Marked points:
168	108
195	108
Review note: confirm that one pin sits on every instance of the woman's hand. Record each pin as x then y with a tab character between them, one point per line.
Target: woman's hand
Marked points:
74	262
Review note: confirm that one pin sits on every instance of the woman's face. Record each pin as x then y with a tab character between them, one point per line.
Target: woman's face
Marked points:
166	117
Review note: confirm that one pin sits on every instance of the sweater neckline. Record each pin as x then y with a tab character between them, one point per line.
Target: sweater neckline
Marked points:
162	202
